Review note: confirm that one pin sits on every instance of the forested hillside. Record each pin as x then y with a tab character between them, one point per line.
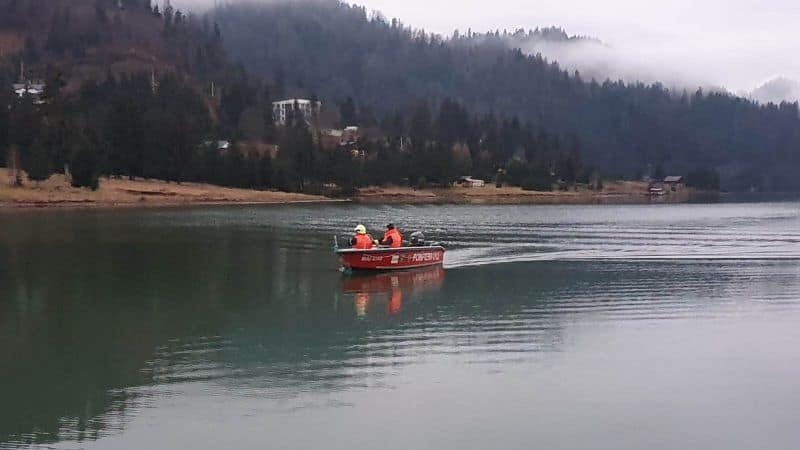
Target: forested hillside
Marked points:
336	51
141	91
132	89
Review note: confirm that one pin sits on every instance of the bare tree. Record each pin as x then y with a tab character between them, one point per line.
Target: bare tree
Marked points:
14	167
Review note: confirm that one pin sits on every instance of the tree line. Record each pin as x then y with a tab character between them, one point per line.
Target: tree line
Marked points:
128	126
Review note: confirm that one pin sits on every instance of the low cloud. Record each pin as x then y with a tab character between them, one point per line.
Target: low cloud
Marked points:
735	44
599	61
771	79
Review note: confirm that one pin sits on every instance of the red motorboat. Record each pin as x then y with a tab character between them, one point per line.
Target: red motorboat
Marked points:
418	254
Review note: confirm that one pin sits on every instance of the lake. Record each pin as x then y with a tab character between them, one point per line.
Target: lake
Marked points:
557	327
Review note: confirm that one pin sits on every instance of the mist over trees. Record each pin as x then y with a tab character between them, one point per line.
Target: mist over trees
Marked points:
337	51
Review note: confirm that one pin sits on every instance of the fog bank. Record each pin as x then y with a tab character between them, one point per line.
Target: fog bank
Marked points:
735	44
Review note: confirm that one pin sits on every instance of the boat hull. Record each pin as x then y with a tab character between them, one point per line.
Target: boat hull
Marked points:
381	259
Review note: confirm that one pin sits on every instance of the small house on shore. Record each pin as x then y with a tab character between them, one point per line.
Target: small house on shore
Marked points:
468	181
674	183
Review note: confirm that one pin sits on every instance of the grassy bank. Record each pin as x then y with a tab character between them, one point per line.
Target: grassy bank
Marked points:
57	192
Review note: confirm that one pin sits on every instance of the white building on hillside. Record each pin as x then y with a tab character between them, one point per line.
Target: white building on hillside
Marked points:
282	110
26	87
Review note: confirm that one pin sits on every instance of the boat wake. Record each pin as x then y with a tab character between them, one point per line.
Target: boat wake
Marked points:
595	243
482	257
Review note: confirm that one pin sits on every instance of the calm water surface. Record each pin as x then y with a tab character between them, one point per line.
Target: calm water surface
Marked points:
596	327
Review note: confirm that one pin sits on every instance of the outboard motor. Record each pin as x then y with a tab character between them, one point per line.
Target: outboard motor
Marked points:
417	239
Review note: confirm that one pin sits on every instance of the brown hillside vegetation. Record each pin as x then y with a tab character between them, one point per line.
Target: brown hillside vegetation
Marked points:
10	44
85	39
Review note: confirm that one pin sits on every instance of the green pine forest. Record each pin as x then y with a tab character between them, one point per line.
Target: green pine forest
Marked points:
138	89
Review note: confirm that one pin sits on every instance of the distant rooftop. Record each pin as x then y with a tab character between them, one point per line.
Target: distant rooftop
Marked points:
292	101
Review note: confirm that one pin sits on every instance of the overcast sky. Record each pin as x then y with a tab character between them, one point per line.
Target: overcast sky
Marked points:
737	44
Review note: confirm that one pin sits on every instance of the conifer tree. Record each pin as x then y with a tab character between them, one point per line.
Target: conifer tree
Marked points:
5	99
38	163
85	162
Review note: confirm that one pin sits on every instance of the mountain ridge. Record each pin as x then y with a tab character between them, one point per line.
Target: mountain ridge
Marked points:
335	51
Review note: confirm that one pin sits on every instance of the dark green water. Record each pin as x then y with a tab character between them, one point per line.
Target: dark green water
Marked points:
601	327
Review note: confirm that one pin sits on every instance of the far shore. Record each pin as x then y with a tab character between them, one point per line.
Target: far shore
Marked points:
56	192
618	192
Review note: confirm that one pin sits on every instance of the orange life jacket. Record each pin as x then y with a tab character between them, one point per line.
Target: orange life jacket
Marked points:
363	242
397	238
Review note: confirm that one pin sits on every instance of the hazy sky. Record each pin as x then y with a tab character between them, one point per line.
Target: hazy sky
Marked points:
737	44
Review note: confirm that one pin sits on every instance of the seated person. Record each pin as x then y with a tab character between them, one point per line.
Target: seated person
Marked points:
361	240
392	238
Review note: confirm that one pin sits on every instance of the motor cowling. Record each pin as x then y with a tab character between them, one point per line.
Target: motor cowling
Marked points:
417	239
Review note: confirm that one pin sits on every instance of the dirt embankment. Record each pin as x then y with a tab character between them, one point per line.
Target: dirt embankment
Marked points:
613	192
57	192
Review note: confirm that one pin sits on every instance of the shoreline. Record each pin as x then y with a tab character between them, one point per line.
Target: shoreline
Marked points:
620	192
117	193
89	205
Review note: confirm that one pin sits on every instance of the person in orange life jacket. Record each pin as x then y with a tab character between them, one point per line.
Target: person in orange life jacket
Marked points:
392	238
361	240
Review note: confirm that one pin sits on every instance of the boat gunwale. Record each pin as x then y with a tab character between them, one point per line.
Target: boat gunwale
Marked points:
396	269
390	250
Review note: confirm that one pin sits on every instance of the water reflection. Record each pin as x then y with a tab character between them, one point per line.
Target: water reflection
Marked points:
390	288
82	372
